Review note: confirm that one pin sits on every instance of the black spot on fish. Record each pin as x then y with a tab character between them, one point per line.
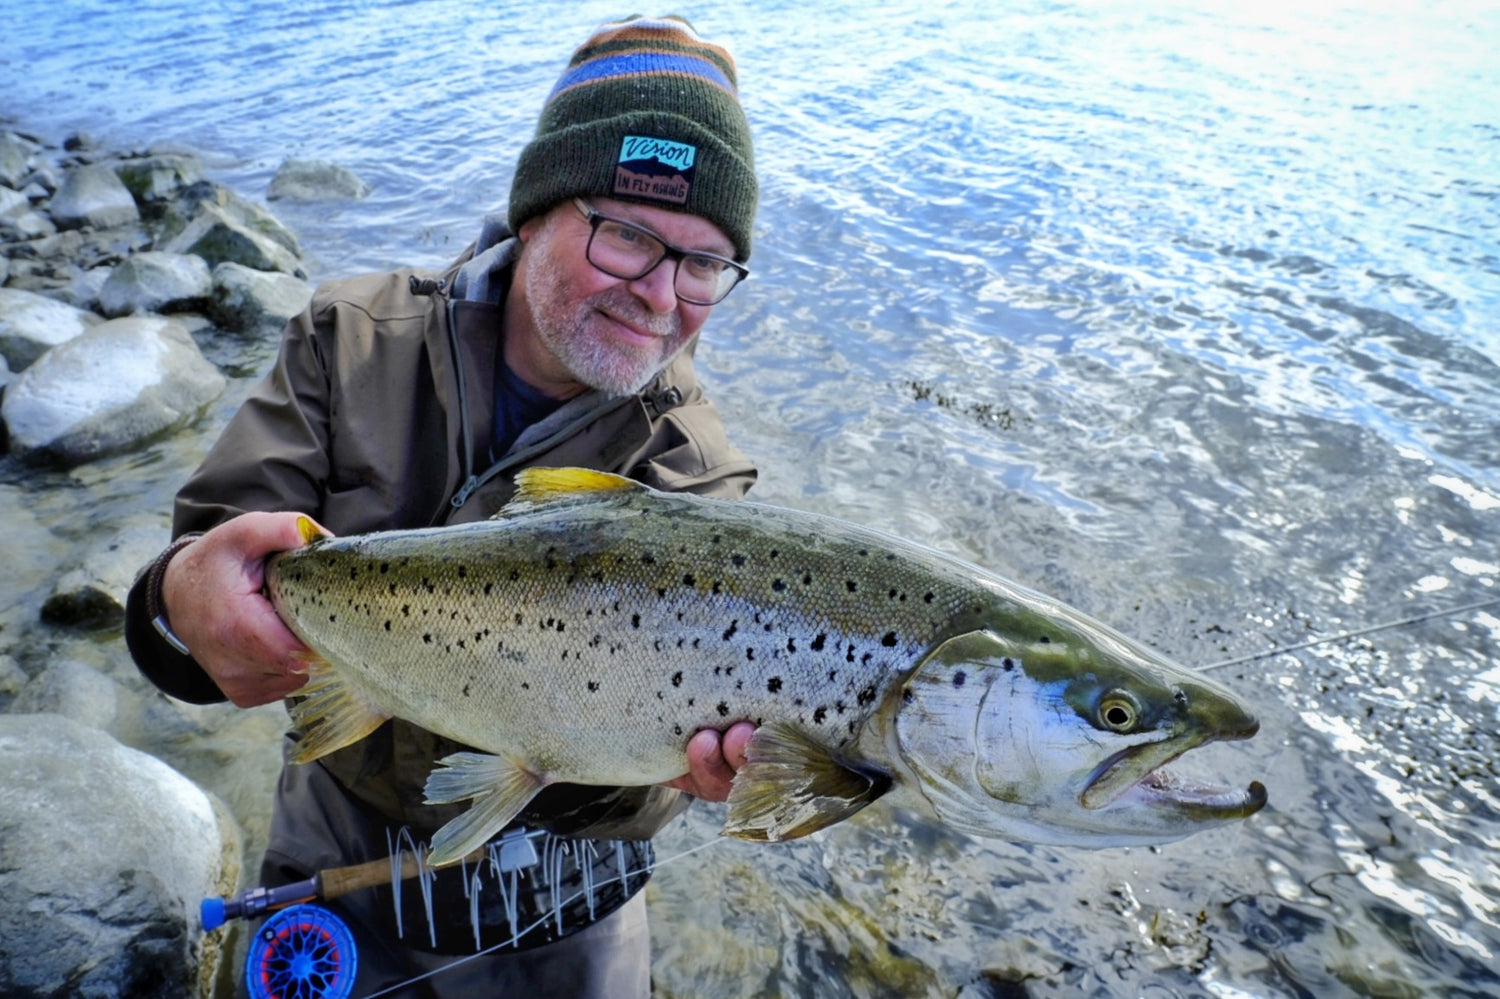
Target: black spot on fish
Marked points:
929	597
488	588
750	653
838	706
775	553
833	675
466	690
723	709
889	640
677	679
778	585
959	678
717	587
688	579
851	585
817	643
807	579
676	729
332	618
1008	664
729	631
907	696
648	559
388	624
1045	640
738	560
635	620
773	685
427	638
593	686
463	572
525	685
819	714
867	695
791	645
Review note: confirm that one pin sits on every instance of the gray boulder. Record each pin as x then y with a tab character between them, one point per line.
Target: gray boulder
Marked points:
155	282
19	221
120	383
249	300
93	196
219	238
107	853
12	676
72	690
16	155
32	324
315	180
159	176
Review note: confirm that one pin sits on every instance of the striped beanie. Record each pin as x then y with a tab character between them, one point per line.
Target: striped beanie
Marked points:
647	111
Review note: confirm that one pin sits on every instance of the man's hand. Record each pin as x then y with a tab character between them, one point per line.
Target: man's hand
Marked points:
212	592
713	760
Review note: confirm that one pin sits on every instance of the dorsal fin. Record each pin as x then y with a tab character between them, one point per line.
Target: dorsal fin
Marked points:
535	486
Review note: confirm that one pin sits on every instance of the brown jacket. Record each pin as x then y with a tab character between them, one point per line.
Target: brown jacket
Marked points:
377	415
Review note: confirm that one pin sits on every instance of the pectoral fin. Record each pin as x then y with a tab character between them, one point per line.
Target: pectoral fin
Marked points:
331	714
499	787
792	785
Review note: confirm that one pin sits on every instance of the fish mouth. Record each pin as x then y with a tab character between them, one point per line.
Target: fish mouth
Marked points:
1140	774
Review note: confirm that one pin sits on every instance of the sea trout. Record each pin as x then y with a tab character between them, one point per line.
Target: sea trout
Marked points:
589	629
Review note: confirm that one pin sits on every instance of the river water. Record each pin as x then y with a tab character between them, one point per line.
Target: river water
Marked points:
1186	313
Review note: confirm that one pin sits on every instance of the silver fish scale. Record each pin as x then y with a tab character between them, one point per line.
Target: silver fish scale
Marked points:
595	636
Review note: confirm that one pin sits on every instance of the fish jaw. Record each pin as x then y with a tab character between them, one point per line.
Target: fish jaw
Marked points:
1019	749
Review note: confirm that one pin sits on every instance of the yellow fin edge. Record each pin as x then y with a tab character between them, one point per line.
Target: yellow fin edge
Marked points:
538	485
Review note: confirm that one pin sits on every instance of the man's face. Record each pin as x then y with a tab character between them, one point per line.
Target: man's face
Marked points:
593	329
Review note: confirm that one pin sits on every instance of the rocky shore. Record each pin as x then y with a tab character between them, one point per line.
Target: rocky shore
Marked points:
115	269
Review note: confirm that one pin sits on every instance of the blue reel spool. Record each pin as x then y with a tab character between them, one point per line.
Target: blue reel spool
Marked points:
302	952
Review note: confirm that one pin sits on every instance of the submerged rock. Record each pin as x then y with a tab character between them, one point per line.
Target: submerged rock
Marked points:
122	382
107	853
315	180
72	690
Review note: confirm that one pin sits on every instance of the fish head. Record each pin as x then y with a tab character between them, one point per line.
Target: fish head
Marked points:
1065	740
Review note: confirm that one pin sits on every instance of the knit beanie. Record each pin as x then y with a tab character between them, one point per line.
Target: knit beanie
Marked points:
647	111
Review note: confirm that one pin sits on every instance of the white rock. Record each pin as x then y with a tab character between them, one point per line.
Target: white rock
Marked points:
155	282
107	853
123	381
93	196
31	324
315	180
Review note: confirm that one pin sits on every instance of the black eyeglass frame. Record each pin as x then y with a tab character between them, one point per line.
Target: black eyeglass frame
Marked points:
669	252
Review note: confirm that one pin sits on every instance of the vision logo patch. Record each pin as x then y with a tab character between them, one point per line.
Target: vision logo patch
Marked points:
657	169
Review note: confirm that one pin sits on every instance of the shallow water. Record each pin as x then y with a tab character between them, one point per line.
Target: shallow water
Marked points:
1183	313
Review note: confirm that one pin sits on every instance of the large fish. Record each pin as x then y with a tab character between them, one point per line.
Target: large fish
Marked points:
587	631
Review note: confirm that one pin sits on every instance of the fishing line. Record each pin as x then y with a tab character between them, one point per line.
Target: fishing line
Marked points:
456	962
1356	633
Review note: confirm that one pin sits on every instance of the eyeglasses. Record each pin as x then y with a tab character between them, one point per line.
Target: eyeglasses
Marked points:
629	252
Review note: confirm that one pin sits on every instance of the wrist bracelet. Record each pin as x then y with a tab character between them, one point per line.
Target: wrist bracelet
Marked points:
155	606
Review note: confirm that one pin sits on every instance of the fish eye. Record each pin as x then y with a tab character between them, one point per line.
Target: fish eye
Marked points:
1118	712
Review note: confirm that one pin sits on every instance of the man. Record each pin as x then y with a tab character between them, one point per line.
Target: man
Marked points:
408	399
